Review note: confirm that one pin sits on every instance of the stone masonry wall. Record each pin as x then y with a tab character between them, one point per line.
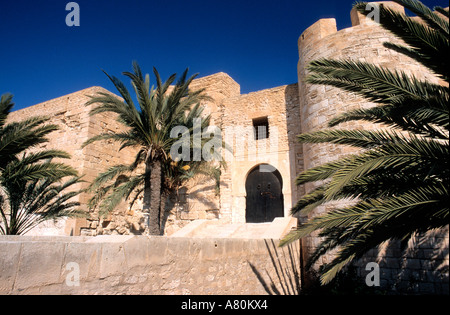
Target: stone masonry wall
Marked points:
144	265
71	115
119	264
76	126
422	269
194	266
318	104
200	197
281	150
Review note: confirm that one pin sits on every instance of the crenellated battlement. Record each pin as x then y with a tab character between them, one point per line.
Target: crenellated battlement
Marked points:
325	27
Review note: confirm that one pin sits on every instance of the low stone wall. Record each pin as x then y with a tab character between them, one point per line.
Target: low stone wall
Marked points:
199	266
145	265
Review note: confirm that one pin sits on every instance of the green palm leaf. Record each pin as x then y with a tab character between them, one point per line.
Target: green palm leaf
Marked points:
148	126
430	42
397	184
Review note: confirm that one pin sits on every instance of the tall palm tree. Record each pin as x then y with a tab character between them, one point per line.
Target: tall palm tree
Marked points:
149	125
399	180
30	184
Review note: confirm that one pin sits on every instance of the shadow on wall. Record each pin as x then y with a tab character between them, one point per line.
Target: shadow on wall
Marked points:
285	277
420	266
422	269
181	207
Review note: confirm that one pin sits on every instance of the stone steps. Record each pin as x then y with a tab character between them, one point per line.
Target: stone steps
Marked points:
232	230
218	229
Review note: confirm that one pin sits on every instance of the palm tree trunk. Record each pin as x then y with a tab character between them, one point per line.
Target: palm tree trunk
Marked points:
163	214
152	197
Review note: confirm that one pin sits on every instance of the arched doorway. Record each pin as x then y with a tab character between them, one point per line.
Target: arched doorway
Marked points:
264	200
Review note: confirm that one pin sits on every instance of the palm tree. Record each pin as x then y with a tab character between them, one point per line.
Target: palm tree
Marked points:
30	189
149	130
35	201
399	179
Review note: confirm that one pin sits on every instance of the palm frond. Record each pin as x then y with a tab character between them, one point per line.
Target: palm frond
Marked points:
110	174
29	168
396	186
430	42
35	201
443	11
6	105
126	139
29	181
16	137
322	172
364	139
432	19
375	83
148	129
119	193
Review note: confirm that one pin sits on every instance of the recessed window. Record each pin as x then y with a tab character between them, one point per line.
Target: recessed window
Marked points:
261	128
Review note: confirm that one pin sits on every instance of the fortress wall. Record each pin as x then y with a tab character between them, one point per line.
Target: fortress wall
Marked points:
318	104
199	198
218	87
76	126
71	115
126	264
99	156
421	269
119	264
280	150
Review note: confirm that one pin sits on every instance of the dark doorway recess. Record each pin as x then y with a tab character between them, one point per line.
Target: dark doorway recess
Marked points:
264	200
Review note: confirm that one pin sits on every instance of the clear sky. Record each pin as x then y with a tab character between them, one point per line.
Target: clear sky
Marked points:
254	41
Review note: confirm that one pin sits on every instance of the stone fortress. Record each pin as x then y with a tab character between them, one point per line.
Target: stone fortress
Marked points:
283	111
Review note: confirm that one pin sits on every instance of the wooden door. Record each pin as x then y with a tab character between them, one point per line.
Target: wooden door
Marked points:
264	196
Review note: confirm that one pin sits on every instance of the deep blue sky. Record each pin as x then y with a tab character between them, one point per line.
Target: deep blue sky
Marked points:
254	41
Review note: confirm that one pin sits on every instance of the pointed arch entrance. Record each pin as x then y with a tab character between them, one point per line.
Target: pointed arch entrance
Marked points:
264	201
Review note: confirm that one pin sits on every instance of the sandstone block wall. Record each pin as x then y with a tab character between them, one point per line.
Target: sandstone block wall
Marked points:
200	197
143	265
319	104
232	111
218	87
76	126
422	269
71	115
119	264
291	109
281	150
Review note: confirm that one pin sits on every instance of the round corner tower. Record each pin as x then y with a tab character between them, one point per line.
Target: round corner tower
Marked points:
319	104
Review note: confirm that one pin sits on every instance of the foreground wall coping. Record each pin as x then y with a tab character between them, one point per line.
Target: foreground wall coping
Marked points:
116	264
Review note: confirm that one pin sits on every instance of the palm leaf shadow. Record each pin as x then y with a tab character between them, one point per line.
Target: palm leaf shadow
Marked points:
284	276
